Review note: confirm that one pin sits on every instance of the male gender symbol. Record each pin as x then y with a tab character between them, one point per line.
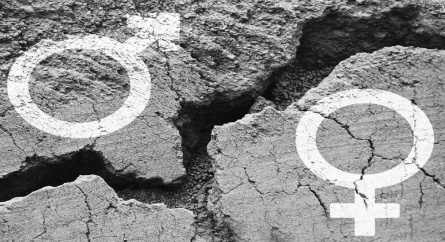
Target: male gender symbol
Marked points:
364	210
164	29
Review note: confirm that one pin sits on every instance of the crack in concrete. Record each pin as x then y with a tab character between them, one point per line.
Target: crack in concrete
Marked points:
169	69
44	217
433	177
320	201
421	193
252	182
439	141
90	220
371	145
12	138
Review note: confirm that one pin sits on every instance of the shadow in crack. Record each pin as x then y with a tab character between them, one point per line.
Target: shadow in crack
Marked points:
191	192
336	36
38	172
325	42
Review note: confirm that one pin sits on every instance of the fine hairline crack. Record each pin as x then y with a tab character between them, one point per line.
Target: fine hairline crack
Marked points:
371	145
89	213
369	160
320	201
370	142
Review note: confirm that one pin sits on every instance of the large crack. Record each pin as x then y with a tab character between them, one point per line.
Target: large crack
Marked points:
195	126
336	36
37	172
195	123
315	59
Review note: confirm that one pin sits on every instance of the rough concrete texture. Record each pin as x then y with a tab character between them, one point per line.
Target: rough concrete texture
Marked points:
89	210
264	192
338	34
228	50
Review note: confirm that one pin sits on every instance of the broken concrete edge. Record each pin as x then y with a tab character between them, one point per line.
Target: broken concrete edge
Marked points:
342	33
79	180
90	185
215	193
30	150
333	83
85	179
84	161
31	162
220	94
336	81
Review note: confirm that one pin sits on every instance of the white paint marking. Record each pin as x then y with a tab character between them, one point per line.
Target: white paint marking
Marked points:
364	210
164	28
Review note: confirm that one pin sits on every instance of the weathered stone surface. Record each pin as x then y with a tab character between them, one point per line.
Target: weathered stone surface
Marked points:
89	210
264	192
228	51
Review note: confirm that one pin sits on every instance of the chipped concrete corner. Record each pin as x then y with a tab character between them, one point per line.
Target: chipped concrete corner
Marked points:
212	157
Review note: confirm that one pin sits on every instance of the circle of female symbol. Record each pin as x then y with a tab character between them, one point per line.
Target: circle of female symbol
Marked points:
164	28
365	210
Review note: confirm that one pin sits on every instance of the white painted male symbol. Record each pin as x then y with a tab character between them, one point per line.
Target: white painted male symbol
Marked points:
365	210
164	29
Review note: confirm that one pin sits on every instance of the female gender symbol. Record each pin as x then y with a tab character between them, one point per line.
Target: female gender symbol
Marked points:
365	210
164	29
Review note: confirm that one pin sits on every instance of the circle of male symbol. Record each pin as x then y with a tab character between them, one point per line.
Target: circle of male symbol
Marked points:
164	29
365	210
20	75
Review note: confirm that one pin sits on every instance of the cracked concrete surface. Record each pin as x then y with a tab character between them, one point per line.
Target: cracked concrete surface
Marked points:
227	52
89	210
85	86
337	34
264	192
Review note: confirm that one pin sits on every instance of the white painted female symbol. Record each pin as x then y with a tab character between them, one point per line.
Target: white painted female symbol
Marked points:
164	28
365	210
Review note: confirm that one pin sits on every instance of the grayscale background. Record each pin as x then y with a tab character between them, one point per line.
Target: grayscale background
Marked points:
213	156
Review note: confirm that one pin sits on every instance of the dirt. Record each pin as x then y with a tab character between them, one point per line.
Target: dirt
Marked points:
292	82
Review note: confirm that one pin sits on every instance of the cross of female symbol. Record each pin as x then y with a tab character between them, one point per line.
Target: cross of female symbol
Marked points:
365	210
